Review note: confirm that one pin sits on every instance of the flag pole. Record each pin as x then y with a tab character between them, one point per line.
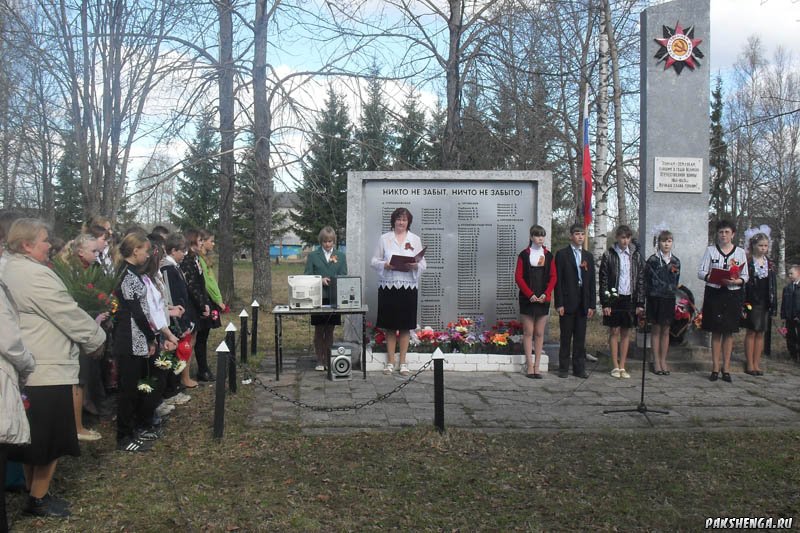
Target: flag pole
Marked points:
586	170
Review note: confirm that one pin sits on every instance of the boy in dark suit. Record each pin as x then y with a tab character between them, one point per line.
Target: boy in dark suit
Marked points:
790	312
575	300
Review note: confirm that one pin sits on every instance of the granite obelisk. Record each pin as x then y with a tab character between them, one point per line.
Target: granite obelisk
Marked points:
675	86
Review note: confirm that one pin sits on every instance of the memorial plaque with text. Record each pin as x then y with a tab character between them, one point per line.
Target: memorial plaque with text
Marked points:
678	174
473	230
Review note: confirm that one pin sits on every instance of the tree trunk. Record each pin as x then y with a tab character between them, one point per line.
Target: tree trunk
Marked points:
452	129
619	172
601	174
227	175
262	118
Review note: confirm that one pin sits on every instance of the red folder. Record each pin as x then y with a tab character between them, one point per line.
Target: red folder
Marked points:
719	275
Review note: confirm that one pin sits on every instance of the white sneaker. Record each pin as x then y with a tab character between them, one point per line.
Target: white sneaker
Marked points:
624	373
615	373
319	368
181	398
404	371
388	368
164	409
591	358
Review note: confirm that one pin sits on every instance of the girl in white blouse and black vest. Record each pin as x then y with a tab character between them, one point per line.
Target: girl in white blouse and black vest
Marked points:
722	303
397	289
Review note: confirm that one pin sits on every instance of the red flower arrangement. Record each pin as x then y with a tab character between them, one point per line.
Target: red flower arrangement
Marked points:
91	288
460	336
734	269
409	247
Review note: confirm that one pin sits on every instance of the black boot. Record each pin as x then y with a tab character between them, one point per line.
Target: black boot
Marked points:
46	506
205	375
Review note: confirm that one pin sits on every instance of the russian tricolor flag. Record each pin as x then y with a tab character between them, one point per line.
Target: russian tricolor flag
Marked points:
587	168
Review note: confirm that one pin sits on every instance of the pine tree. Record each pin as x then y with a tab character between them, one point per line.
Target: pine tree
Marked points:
719	193
322	196
433	148
372	136
412	147
197	196
244	205
476	143
68	197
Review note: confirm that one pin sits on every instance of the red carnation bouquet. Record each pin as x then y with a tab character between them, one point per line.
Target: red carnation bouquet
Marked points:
91	288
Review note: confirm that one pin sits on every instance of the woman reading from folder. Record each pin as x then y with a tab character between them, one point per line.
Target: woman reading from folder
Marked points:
724	269
329	263
397	285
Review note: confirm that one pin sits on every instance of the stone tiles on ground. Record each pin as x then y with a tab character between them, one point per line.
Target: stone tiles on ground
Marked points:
492	401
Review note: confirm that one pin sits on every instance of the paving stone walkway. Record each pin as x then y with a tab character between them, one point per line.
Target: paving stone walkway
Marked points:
498	401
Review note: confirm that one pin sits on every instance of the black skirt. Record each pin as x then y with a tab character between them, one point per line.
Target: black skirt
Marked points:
534	309
722	309
623	314
660	310
756	319
326	320
397	309
52	422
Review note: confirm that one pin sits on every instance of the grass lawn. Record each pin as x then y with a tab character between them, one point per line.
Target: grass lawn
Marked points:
274	478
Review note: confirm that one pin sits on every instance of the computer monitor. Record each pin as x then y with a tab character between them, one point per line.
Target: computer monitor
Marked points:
305	292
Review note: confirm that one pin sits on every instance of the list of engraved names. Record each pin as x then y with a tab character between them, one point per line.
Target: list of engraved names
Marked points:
473	232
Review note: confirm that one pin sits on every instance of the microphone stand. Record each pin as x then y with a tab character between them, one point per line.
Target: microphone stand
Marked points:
642	407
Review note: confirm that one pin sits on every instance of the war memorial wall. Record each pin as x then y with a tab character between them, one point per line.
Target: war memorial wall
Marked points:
474	225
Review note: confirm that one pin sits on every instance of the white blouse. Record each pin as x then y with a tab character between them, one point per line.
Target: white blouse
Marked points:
389	246
535	254
156	305
713	258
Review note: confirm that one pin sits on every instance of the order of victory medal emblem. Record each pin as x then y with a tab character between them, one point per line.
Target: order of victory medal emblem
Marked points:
678	48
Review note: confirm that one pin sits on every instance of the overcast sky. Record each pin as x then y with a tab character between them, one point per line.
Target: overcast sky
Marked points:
777	22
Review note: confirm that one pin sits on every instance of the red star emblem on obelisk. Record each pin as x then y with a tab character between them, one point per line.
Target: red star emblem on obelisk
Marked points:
679	48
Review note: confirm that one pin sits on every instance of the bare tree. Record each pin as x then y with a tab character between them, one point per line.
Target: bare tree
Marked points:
781	150
464	25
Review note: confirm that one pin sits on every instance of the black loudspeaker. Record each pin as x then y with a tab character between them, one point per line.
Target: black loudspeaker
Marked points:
341	362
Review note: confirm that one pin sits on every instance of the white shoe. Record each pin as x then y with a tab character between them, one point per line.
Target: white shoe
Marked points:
90	435
404	371
591	358
615	373
164	409
181	398
320	368
388	368
624	373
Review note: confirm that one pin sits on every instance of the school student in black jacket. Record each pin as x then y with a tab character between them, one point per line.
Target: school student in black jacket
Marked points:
575	300
790	312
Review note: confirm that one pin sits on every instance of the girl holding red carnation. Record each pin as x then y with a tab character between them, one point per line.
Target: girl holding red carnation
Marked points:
722	302
535	276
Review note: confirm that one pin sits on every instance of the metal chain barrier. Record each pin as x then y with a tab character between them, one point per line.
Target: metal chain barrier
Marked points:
327	409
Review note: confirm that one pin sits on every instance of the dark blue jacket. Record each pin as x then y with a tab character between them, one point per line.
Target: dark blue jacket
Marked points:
790	303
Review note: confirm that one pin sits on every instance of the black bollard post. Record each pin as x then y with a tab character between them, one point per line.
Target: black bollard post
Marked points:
230	340
438	390
219	400
254	333
243	336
